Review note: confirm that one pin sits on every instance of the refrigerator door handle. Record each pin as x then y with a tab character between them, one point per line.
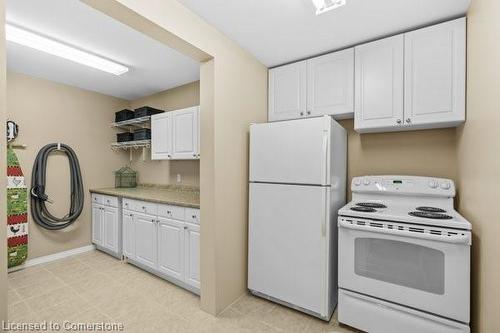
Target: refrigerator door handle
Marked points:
324	149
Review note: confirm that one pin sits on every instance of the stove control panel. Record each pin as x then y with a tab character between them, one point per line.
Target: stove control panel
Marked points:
410	185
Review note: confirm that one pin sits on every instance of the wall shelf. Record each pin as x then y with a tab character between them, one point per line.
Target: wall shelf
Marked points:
131	123
131	146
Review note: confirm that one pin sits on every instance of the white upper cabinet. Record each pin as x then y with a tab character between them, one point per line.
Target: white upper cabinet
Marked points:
320	86
412	81
161	136
287	91
185	127
435	75
379	85
330	85
176	134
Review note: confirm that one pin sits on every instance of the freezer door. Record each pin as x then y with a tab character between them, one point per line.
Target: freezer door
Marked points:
291	152
288	245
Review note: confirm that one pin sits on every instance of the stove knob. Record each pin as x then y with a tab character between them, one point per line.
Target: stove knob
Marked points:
366	181
445	185
433	184
357	181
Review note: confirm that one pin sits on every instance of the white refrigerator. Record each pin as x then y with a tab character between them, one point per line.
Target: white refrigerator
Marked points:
297	184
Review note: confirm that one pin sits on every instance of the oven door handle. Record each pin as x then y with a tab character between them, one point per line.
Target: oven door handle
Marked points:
455	239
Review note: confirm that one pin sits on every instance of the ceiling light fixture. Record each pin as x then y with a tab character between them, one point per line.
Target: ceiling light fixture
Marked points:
44	44
322	6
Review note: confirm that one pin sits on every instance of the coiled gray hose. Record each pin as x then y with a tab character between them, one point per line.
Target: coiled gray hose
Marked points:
38	197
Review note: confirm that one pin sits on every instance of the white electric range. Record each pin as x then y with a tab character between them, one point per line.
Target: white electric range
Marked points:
404	257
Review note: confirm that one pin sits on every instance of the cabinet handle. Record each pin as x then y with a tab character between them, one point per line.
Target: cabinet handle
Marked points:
302	113
194	216
194	155
308	112
398	121
169	156
408	120
185	227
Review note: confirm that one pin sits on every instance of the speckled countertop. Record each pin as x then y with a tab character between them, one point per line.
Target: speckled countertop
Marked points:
185	196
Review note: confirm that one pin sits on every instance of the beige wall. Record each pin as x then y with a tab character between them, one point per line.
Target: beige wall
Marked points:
48	112
418	153
3	166
479	161
234	86
165	172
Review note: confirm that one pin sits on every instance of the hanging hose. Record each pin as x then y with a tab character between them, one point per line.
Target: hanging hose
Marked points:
38	196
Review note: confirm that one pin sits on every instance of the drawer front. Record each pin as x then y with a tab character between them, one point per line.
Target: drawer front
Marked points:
146	207
97	198
193	215
110	201
171	212
129	204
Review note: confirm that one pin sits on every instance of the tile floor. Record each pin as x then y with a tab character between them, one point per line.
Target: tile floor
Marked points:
94	287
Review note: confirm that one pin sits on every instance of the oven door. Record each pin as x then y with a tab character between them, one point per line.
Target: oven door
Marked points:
422	267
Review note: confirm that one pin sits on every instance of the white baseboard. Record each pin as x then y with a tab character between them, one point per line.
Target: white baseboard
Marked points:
52	257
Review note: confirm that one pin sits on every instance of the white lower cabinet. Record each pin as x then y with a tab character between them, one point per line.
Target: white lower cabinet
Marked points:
97	231
171	248
110	226
167	244
106	224
192	254
145	239
128	234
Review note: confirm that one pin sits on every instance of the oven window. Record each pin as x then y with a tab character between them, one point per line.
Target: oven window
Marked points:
405	264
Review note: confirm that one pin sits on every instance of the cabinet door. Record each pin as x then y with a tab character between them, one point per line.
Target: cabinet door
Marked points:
110	227
171	248
145	239
287	91
97	225
330	85
379	85
128	235
161	136
435	75
192	254
185	133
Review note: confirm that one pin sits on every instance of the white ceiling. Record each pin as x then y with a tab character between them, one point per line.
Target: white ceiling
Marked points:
281	31
153	66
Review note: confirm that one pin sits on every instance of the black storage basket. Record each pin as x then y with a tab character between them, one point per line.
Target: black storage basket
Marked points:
146	111
124	137
142	134
124	115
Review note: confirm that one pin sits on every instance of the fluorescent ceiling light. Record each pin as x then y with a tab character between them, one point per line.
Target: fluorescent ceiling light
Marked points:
40	43
323	6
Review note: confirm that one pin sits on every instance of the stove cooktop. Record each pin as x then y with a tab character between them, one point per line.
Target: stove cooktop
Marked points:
405	212
431	215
